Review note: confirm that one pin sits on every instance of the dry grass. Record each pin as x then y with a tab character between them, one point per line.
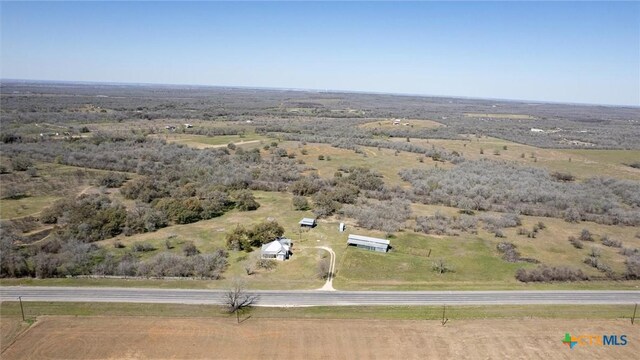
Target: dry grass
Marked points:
411	123
10	328
582	164
501	116
383	161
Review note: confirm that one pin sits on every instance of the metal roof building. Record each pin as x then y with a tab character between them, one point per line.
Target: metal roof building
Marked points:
279	249
308	222
368	243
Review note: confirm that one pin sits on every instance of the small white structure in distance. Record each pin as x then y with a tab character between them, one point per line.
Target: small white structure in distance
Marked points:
368	243
342	227
279	249
537	130
188	126
307	222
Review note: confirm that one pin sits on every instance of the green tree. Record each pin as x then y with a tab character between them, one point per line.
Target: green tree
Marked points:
245	201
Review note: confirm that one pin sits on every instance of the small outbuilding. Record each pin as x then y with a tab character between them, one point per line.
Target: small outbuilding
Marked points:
342	227
279	249
368	243
307	222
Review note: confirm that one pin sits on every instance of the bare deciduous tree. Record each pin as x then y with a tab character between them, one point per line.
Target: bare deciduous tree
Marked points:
237	299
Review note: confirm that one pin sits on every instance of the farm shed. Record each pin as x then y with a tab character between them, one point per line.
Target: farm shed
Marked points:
308	222
279	249
368	243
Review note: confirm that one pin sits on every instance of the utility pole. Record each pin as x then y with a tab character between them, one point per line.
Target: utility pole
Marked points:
634	313
22	309
444	320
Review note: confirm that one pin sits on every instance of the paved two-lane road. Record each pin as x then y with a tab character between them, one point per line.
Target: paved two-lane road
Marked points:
319	298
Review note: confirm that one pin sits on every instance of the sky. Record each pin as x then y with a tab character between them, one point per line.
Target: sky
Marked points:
579	52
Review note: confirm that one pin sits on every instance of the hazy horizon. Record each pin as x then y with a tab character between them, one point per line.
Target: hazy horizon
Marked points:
574	53
364	92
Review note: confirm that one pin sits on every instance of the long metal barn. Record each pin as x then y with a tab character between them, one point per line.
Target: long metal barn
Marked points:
368	243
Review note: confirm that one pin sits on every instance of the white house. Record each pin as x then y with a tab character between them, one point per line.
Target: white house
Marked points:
279	249
537	130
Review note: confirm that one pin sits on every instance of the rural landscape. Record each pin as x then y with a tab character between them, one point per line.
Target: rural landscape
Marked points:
319	180
179	187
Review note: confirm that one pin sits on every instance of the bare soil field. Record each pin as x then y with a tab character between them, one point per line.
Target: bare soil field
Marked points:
200	338
10	327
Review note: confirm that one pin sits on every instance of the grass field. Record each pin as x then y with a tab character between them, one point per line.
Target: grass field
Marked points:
383	161
11	310
202	141
608	156
412	124
501	116
30	205
582	164
188	338
52	182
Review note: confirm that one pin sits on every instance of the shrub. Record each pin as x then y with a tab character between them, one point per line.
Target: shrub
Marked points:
249	268
545	273
304	187
112	180
509	252
607	241
564	177
142	247
266	264
440	266
320	157
32	171
572	215
585	235
245	201
21	163
300	203
596	263
388	216
324	268
190	249
575	242
118	245
629	252
238	239
633	267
